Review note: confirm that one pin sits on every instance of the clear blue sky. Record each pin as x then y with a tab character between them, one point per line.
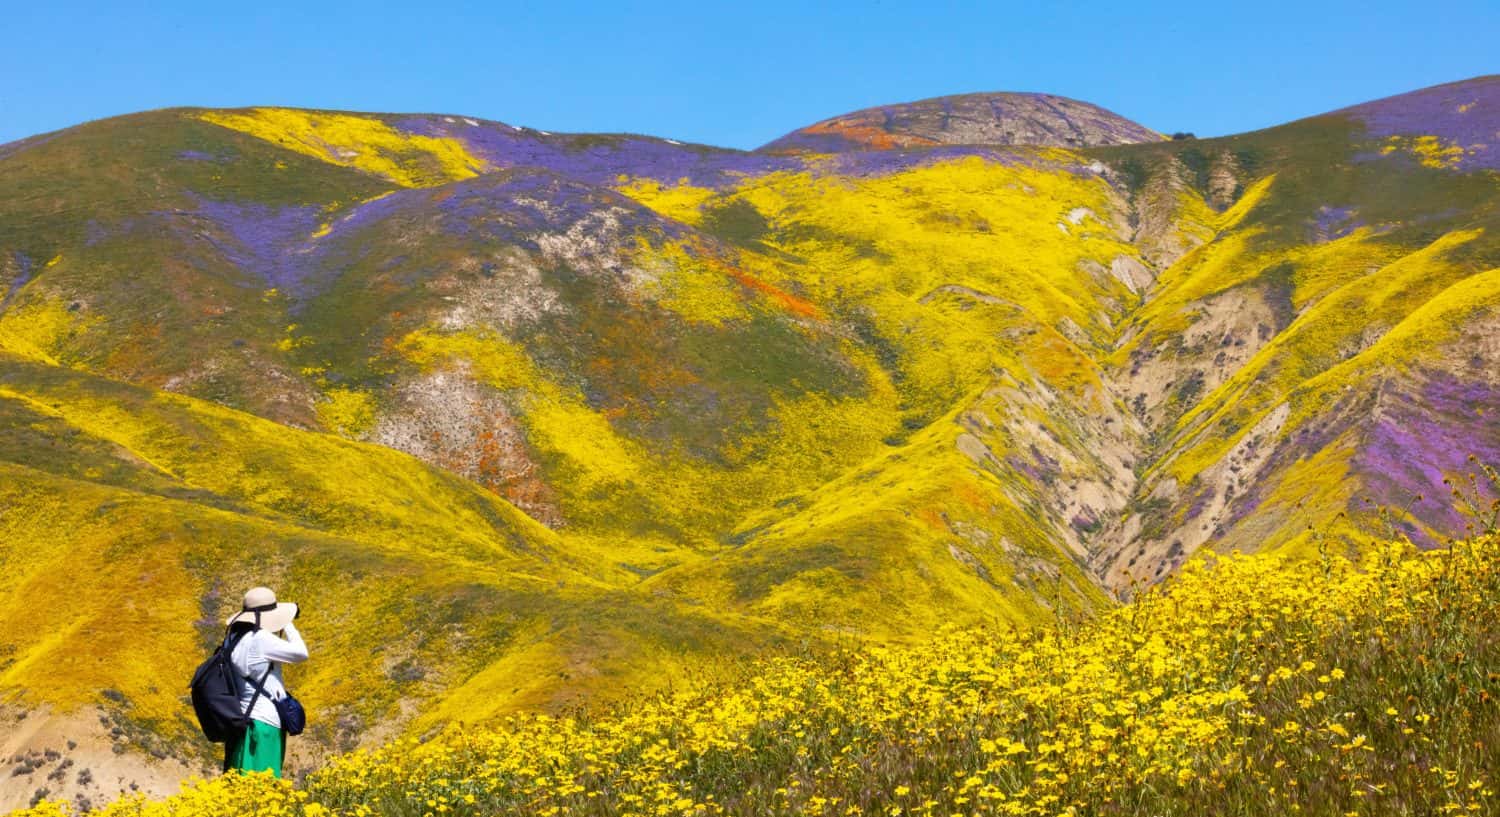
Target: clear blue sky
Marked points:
736	74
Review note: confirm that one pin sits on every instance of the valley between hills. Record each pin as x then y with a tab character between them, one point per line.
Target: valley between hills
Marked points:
530	421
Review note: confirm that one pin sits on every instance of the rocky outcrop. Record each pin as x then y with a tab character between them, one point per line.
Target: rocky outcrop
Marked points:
969	119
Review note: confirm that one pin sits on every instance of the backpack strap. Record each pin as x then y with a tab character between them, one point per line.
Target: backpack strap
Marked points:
232	639
259	686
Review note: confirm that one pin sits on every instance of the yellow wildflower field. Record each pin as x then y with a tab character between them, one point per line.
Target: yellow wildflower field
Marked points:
1245	685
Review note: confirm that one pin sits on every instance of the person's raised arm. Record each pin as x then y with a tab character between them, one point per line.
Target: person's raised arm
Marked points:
287	650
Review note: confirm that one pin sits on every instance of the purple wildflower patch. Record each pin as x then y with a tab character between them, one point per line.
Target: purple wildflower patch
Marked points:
23	266
872	163
599	159
1200	502
265	241
371	212
1424	437
1333	223
1462	113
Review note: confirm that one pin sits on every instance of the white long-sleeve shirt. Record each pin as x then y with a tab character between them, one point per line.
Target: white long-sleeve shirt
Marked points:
258	650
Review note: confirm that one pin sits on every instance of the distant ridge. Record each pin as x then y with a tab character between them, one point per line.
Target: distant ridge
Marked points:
1458	115
967	119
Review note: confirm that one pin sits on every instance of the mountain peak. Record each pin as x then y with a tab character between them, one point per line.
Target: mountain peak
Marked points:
967	119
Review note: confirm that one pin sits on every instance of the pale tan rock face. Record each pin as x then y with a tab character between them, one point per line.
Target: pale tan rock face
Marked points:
75	757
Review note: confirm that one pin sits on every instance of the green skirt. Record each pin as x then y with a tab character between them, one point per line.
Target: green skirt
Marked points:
260	748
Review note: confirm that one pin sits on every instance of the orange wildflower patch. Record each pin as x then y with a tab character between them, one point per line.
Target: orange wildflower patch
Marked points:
865	133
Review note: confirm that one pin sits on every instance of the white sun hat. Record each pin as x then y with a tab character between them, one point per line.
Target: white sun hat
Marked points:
262	608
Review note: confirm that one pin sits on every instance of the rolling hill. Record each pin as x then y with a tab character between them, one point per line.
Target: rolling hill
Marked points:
529	419
968	119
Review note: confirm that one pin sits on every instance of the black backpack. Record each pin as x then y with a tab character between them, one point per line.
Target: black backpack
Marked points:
216	693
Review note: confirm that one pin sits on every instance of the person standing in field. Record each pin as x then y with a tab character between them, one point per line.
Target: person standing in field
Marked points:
270	640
